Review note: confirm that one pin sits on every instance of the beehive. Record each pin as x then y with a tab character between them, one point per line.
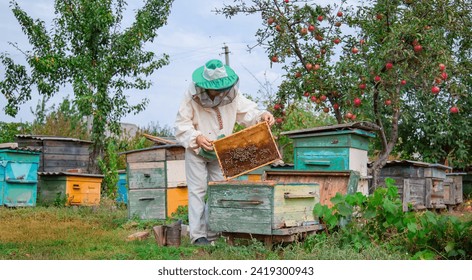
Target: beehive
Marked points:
69	189
157	185
453	189
267	207
419	183
122	189
58	154
246	150
18	176
331	182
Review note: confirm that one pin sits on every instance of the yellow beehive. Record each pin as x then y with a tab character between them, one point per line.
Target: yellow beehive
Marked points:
70	188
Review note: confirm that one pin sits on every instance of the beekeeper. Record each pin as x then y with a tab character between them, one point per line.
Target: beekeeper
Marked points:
209	110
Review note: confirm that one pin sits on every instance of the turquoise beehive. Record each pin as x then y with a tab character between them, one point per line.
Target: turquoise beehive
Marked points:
18	176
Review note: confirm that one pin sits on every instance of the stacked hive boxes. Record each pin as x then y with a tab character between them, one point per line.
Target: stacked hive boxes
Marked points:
156	181
341	147
18	176
59	156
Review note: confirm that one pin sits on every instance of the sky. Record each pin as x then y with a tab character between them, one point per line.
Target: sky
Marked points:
193	35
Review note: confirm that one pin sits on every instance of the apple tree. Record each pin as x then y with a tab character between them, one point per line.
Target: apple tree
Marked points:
89	49
374	61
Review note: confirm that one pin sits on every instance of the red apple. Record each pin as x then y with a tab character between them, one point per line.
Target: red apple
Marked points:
337	24
316	67
362	41
339	14
336	106
435	89
362	86
454	110
388	102
323	97
308	66
320	18
270	20
357	102
279	120
326	109
337	41
389	65
286	1
348	115
278	28
311	28
306	94
379	16
355	50
313	98
303	31
275	58
318	37
353	117
277	106
403	82
298	75
377	78
418	48
444	76
442	67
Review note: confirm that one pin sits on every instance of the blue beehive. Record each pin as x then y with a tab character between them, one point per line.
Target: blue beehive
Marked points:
122	190
18	176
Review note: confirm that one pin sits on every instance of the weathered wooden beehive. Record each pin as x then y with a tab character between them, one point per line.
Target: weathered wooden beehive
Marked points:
18	176
340	147
57	153
268	208
331	182
69	188
156	181
453	190
419	183
246	150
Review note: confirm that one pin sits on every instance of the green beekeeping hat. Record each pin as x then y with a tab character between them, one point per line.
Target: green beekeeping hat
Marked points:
214	75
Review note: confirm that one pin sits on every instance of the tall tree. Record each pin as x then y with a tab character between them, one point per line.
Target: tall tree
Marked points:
370	60
88	48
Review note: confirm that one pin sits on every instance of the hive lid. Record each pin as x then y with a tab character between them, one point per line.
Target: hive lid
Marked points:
365	128
246	150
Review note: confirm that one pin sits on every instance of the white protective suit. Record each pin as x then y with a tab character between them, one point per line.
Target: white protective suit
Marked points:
193	120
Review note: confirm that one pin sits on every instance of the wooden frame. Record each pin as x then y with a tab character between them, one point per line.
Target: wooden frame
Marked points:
246	150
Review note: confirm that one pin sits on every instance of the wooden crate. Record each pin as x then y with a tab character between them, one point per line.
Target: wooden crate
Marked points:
58	153
246	150
332	148
331	182
18	176
157	183
70	188
267	208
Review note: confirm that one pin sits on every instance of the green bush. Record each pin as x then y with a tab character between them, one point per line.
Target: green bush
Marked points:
379	219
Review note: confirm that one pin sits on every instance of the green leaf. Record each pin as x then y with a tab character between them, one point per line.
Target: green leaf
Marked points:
412	227
344	210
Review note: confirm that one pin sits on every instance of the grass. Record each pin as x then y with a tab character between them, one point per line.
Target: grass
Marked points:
84	233
100	233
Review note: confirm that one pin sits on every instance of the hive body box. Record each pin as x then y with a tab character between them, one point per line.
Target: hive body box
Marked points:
122	189
331	182
333	148
453	189
58	154
419	184
18	176
156	181
69	188
267	208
